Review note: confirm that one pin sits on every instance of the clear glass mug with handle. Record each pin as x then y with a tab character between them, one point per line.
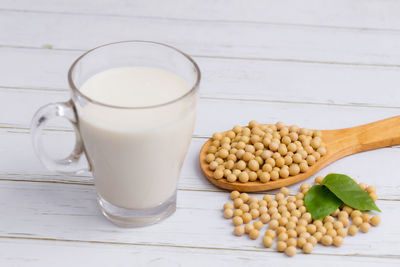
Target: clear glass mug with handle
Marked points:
135	153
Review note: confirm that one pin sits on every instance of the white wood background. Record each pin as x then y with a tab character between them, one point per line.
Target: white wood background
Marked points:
318	63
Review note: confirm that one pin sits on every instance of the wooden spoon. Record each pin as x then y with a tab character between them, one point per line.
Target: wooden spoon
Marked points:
339	143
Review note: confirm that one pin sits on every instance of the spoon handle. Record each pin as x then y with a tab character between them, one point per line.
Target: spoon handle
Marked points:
379	134
366	137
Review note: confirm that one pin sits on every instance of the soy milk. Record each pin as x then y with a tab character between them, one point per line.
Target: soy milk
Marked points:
137	153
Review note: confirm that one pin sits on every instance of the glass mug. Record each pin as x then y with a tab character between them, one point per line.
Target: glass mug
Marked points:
135	153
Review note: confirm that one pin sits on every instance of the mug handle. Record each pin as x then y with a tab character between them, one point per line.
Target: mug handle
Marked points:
75	163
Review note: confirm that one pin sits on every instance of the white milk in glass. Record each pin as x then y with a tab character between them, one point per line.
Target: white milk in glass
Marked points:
137	153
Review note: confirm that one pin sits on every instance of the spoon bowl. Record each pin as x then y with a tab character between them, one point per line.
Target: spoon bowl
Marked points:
339	143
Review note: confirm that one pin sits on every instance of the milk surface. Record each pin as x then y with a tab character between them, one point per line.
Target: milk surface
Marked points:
136	154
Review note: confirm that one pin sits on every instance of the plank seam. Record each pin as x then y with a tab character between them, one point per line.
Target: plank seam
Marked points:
188	247
207	97
298	25
179	189
228	57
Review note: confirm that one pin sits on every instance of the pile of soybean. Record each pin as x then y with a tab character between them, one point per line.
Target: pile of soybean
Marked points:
264	152
289	222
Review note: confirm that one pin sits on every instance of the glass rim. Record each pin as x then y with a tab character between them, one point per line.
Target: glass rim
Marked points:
75	89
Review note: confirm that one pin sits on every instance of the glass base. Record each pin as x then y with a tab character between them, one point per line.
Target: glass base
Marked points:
136	217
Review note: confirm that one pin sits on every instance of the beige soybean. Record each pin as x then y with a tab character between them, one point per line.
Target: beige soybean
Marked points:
265	218
244	207
335	213
254	234
286	214
263	210
268	241
307	216
291	225
283	221
248	227
366	217
280	229
237	221
244	197
318	223
237	212
326	240
375	220
283	236
238	202
357	221
270	233
337	241
317	236
281	246
276	216
267	198
328	225
253	199
311	228
228	213
313	240
364	227
345	221
353	230
238	230
291	242
302	209
342	232
347	209
338	225
254	205
247	217
262	203
265	177
355	213
371	189
273	224
290	251
258	225
305	235
300	229
291	233
331	232
373	196
272	210
272	204
302	222
254	213
343	214
307	248
235	194
228	206
301	241
329	219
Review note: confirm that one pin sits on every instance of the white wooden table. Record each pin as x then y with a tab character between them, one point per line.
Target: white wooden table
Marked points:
321	64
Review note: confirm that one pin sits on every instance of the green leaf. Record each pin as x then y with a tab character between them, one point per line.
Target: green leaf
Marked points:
349	192
321	202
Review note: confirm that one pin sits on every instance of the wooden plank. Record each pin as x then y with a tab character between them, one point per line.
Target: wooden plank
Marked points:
206	38
16	110
70	212
342	13
20	252
21	164
18	106
230	78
